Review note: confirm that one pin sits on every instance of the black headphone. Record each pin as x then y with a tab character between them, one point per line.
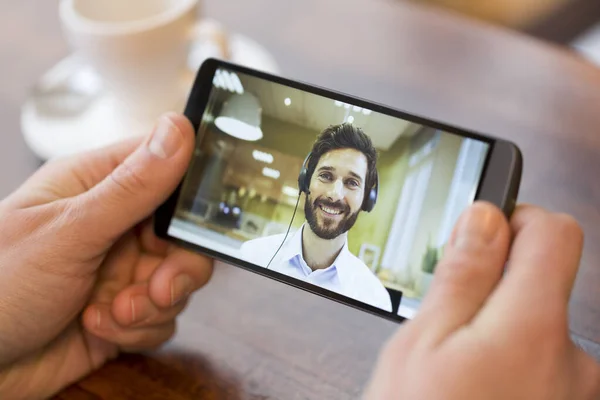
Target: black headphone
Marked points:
369	200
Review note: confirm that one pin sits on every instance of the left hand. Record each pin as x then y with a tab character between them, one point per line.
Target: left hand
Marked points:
83	276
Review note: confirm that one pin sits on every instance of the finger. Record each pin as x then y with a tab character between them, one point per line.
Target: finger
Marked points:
72	175
116	272
142	182
587	373
150	243
180	274
132	307
97	319
468	272
543	264
563	235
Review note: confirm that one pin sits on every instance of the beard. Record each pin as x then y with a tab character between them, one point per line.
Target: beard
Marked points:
326	228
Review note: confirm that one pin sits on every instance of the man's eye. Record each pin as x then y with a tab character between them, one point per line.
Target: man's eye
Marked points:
325	176
353	183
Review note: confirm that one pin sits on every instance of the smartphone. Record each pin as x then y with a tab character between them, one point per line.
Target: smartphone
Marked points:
326	192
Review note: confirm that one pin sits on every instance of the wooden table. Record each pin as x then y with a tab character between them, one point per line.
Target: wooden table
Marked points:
245	337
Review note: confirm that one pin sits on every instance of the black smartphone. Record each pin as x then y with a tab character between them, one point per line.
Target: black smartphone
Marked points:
336	195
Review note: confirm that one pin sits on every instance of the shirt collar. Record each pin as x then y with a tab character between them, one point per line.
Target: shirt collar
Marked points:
342	264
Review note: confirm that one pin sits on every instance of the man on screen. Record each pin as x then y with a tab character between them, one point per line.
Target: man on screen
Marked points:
339	179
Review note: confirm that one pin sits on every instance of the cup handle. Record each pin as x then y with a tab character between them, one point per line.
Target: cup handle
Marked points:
208	39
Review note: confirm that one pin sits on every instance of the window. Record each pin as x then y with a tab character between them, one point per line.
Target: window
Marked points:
406	220
464	185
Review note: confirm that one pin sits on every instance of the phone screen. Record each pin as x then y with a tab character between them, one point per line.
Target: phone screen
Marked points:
356	202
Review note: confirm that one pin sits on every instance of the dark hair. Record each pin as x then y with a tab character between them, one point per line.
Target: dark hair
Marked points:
345	136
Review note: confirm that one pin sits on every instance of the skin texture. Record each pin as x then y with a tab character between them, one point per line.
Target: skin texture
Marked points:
83	276
478	336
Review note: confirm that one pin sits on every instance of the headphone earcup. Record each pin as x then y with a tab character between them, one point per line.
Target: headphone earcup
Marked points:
302	181
370	201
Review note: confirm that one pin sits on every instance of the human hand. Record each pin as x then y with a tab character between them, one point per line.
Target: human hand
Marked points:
83	276
478	336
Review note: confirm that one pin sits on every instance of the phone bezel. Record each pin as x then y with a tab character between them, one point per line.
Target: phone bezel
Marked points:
499	184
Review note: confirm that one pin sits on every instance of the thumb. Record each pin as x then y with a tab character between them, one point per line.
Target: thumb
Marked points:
468	272
142	182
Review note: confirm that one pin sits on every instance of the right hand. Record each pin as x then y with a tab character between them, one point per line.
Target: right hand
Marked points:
482	335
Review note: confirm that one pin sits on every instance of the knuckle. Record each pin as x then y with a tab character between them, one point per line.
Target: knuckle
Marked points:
70	224
545	331
568	226
592	385
73	212
128	179
461	271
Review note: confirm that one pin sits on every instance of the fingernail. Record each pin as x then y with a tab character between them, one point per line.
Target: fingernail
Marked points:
166	139
141	308
477	227
181	287
104	324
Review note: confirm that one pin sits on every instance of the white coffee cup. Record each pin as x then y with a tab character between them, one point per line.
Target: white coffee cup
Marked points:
139	48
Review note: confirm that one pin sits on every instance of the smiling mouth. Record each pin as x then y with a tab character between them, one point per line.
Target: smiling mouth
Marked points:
331	211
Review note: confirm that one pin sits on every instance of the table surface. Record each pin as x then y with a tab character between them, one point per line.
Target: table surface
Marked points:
246	337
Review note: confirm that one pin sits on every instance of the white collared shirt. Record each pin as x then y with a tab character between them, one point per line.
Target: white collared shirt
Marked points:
348	275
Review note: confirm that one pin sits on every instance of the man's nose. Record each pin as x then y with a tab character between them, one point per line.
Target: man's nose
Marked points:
336	190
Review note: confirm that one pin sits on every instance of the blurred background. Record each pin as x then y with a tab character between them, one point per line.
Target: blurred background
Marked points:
31	44
34	25
572	23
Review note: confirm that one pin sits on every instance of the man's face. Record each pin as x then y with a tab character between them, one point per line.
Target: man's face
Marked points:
337	189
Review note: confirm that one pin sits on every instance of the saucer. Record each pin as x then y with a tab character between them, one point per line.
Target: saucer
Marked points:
69	112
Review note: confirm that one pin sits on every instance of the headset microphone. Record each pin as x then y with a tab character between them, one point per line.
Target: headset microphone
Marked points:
302	187
288	231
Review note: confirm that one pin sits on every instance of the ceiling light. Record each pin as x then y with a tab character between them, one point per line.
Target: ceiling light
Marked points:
228	81
241	117
271	173
356	108
238	129
237	84
290	191
263	157
346	106
350	119
338	103
366	112
218	80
